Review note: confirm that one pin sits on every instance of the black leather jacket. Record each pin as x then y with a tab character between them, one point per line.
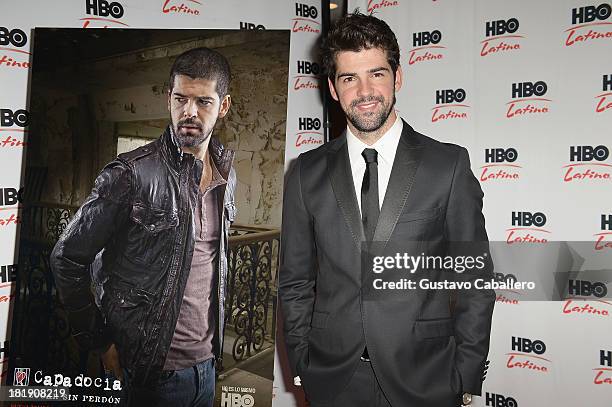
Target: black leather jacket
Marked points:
138	221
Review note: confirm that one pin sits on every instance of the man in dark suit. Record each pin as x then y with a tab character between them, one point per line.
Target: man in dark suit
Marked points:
385	183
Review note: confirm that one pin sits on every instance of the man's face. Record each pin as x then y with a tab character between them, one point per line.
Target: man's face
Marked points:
365	87
194	107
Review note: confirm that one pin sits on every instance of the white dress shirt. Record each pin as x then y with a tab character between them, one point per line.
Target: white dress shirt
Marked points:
386	147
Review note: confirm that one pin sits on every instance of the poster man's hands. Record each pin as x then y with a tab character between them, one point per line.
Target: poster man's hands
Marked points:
110	360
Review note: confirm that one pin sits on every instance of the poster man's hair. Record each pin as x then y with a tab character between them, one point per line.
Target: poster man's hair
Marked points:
203	63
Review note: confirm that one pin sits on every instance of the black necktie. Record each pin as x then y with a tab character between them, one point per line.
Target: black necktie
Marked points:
369	193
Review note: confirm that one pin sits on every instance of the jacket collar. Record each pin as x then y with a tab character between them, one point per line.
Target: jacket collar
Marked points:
221	156
403	172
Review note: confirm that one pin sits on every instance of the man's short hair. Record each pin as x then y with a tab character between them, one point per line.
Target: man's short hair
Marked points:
355	32
203	63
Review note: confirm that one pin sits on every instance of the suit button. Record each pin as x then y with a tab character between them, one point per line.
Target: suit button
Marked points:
152	227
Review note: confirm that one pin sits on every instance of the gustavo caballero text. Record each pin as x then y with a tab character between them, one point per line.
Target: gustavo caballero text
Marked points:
427	284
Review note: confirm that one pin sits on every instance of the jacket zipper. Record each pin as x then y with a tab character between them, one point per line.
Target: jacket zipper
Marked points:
171	277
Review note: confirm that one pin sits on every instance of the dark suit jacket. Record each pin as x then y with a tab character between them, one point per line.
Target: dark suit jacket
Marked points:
423	352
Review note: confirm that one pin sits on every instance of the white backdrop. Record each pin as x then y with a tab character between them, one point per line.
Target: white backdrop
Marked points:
485	104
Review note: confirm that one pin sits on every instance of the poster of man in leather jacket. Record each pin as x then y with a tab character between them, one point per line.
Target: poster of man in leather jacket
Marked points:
154	178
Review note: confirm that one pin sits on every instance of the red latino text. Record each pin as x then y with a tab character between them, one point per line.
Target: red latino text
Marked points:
527	362
587	33
182	8
10	141
305	25
13	61
448	112
569	307
602	243
525	107
526	235
99	22
500	44
306	82
586	171
504	300
10	220
379	4
604	103
499	172
603	376
307	138
425	54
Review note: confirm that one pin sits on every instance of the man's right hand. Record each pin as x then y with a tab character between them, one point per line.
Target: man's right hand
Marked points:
110	360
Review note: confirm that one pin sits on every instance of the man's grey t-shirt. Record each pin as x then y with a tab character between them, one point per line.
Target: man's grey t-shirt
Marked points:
195	328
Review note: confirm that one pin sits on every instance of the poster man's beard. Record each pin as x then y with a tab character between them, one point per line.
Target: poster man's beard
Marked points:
186	139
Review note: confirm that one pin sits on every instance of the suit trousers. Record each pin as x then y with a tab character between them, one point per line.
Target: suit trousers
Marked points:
363	390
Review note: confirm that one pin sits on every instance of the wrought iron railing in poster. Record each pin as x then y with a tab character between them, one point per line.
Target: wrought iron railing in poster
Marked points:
41	331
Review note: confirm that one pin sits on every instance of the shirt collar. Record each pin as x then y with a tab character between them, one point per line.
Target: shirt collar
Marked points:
386	146
217	178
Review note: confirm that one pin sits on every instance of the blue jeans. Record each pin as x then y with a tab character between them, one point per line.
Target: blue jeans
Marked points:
190	387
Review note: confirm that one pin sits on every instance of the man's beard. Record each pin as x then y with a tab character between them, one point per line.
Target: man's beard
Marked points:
371	121
186	139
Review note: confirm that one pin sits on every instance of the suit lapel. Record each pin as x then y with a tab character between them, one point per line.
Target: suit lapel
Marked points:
403	172
342	183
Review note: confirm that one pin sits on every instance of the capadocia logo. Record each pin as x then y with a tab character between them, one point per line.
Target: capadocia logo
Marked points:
426	47
103	14
603	373
588	163
501	37
179	7
379	5
500	400
604	237
527	99
21	376
589	23
527	228
527	355
305	19
449	105
12	127
309	134
500	165
13	51
603	103
307	77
